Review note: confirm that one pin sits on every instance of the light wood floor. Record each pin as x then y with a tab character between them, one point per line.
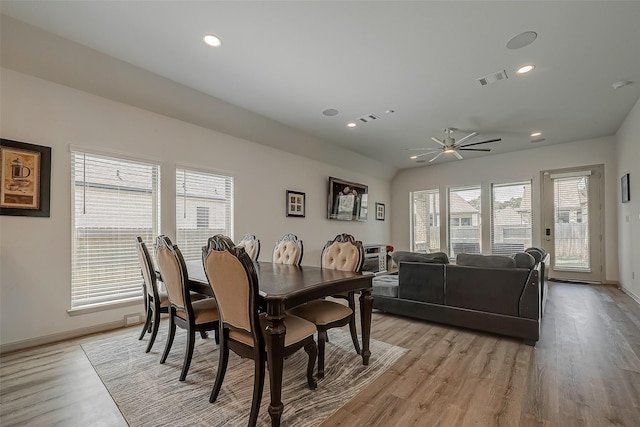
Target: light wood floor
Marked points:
584	371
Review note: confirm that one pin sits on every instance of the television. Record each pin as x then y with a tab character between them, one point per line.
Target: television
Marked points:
347	200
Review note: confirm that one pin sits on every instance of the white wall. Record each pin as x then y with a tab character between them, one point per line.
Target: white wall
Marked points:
509	167
35	267
628	154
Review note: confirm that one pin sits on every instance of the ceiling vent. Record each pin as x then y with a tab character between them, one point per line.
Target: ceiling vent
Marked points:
368	118
492	78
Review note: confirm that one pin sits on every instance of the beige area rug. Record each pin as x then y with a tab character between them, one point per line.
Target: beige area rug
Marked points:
149	394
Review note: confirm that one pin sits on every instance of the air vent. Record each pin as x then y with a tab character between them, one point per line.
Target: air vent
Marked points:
492	78
368	118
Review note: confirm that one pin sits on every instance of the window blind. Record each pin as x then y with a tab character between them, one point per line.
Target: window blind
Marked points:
464	221
204	207
113	200
425	217
511	219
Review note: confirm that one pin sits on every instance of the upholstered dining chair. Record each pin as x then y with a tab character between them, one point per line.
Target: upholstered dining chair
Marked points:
288	250
233	279
194	316
251	245
154	301
342	253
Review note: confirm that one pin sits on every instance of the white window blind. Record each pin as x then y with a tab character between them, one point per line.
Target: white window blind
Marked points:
464	221
510	217
113	201
204	207
425	217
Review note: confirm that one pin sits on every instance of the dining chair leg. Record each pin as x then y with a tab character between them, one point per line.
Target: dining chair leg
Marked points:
147	322
258	386
322	338
154	331
204	335
172	332
191	340
312	351
217	336
223	358
352	323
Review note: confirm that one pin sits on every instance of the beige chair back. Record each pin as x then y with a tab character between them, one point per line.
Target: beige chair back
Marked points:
147	268
233	279
343	253
251	245
173	271
288	250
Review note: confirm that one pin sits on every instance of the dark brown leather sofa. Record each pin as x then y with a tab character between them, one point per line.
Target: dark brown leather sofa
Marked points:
495	294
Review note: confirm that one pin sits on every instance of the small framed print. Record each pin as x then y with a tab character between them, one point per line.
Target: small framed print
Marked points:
25	179
380	211
624	187
295	203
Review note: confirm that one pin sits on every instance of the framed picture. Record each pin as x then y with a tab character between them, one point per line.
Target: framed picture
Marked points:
25	179
295	203
380	211
624	186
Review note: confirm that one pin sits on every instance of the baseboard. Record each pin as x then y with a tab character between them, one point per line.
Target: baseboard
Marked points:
633	296
62	336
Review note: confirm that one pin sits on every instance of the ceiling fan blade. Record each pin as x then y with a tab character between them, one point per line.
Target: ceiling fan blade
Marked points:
433	138
422	149
482	142
471	135
415	156
438	155
455	153
474	149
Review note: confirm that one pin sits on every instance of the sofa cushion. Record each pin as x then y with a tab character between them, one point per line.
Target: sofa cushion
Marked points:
524	260
386	285
488	261
432	258
422	281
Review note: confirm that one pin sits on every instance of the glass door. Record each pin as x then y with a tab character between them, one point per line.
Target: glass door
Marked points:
573	223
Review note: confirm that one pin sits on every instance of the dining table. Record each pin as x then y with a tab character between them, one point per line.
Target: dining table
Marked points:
284	286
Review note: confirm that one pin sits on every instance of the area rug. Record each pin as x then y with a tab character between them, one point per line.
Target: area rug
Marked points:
149	394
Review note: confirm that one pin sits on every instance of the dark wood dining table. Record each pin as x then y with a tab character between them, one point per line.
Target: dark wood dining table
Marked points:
283	287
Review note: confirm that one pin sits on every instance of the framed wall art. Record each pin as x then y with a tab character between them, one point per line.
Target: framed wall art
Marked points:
624	187
25	179
380	211
295	203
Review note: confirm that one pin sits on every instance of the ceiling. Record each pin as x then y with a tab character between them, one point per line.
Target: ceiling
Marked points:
290	61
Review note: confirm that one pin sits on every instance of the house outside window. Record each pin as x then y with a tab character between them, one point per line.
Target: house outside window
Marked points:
425	221
202	217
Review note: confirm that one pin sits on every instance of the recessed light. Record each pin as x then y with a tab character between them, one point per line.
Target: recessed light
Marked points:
534	134
212	40
621	83
413	157
525	69
351	125
522	40
330	112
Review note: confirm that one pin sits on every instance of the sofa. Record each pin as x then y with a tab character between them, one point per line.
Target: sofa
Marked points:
496	294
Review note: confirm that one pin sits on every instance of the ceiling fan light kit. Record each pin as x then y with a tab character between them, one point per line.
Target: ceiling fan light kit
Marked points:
448	145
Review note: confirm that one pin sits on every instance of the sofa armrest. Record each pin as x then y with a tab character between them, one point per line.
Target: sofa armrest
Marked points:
530	300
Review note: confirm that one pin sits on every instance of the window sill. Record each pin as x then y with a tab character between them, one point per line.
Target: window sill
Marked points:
94	308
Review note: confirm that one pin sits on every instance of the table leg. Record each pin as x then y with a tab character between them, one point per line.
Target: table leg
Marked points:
275	358
366	307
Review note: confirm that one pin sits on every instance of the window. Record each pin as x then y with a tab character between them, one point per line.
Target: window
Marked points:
425	217
510	217
204	207
464	221
113	200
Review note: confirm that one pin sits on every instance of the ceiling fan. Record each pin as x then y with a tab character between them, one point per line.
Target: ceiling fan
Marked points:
450	146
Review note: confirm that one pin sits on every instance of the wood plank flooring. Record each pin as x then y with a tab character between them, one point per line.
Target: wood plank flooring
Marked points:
585	371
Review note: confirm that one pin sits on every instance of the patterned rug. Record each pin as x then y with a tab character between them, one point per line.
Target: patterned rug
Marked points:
149	394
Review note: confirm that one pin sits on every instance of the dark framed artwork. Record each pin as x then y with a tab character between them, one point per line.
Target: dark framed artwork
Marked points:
624	187
295	203
25	179
380	211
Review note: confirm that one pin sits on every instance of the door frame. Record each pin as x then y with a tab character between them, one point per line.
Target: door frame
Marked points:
548	221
